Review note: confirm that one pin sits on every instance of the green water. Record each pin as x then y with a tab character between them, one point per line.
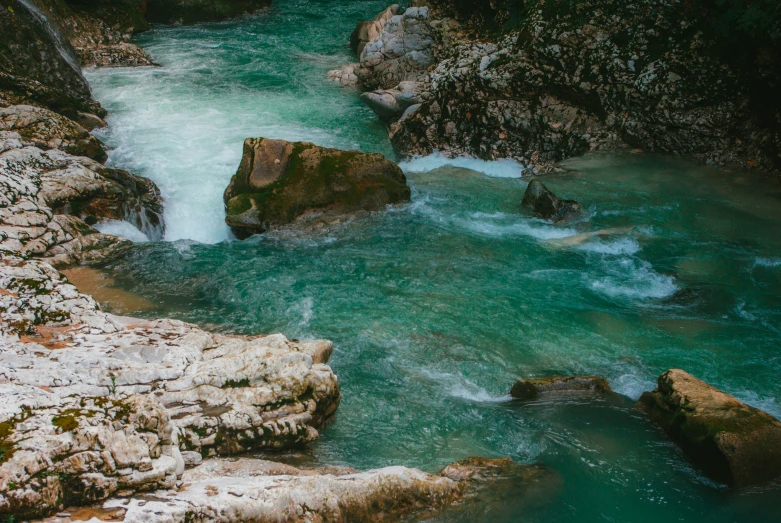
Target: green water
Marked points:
436	307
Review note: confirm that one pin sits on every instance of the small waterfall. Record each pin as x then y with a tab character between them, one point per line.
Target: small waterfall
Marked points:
62	44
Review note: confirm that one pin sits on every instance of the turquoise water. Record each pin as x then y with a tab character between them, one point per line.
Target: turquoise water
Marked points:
437	307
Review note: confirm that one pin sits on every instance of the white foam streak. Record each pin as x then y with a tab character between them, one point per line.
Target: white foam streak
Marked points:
505	168
767	262
460	387
123	229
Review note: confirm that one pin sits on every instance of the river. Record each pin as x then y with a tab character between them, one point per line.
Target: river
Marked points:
437	307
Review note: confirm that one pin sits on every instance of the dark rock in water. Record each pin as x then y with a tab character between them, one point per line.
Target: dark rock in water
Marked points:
38	64
546	205
193	11
491	485
279	181
731	441
530	389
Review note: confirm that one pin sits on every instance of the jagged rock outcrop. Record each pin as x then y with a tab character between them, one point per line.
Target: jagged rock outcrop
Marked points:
38	65
532	388
50	197
543	81
546	205
732	442
193	11
278	182
101	31
46	129
394	47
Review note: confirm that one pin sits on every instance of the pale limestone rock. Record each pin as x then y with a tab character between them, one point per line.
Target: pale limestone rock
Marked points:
46	129
37	214
282	493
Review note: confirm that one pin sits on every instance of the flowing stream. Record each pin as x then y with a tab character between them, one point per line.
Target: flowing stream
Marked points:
437	307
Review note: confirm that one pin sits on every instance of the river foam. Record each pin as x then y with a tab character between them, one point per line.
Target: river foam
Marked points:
505	168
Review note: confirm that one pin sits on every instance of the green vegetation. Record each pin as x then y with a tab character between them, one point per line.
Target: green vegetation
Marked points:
758	19
236	384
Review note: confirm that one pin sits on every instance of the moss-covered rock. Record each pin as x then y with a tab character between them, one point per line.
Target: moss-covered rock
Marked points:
279	181
732	442
531	388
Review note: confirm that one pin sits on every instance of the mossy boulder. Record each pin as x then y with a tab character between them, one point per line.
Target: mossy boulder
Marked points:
730	441
279	181
532	388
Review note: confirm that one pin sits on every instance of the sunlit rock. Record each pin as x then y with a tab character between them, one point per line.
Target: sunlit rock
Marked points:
732	442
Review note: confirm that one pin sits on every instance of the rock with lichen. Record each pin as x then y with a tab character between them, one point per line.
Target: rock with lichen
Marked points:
278	182
732	442
534	387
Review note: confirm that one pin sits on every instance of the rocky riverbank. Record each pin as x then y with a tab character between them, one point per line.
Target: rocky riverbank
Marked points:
99	408
542	81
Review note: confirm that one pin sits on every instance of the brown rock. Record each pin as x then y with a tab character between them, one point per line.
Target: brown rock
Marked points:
279	181
732	442
529	389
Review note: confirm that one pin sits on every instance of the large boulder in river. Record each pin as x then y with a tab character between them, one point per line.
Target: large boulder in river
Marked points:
531	388
279	181
732	442
548	206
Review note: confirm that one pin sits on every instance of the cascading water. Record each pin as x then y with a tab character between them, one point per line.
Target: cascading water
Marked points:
435	308
62	44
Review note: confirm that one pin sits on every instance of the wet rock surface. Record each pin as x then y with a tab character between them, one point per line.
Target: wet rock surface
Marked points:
278	182
50	196
38	64
546	205
732	442
532	388
540	82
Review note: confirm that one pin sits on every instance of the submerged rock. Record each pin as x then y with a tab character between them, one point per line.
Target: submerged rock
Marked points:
279	181
732	442
530	389
546	205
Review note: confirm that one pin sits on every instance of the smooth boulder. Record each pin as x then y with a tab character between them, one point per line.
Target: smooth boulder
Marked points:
548	206
532	388
278	182
732	442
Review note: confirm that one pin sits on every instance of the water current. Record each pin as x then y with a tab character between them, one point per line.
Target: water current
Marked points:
437	307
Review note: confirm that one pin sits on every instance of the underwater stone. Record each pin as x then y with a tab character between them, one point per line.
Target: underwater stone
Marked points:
530	389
